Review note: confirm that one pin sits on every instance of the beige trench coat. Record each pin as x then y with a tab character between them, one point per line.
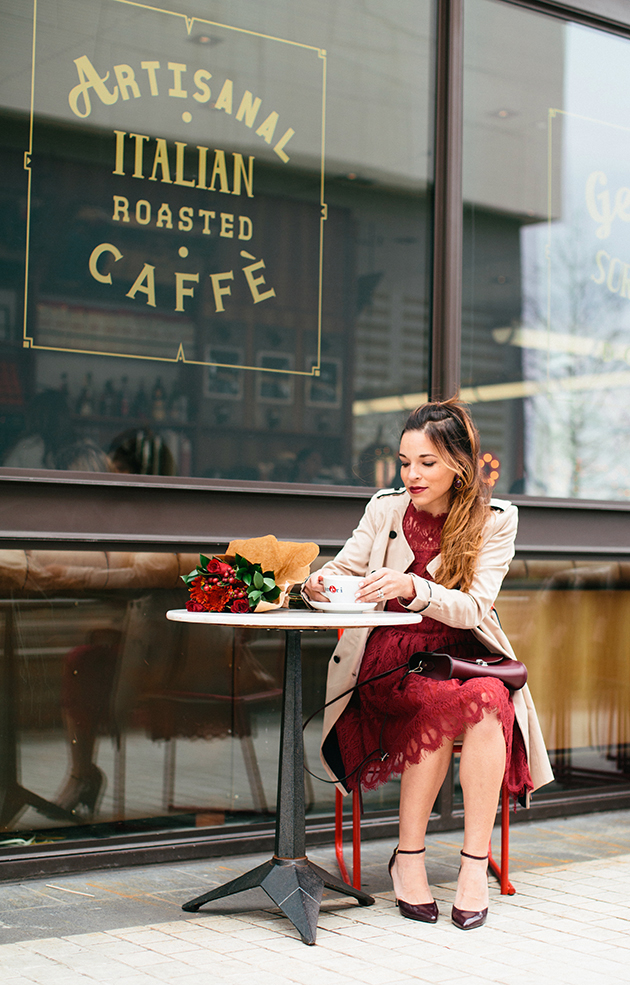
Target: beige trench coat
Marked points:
379	542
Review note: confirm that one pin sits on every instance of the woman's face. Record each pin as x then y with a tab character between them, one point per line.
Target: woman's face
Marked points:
427	479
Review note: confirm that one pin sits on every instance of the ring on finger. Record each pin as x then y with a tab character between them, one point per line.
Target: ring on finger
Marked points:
380	594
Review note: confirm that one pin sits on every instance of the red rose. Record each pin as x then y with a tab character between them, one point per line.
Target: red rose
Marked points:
195	607
240	605
216	567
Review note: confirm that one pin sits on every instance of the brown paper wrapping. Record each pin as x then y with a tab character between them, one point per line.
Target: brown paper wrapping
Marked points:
289	560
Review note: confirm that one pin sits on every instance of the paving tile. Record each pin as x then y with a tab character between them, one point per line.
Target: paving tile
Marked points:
17	981
570	973
464	978
137	935
53	947
88	940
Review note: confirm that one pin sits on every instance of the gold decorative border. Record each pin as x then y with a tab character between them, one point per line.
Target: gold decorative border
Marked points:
27	341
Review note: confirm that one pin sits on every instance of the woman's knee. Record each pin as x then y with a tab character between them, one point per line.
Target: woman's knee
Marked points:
488	725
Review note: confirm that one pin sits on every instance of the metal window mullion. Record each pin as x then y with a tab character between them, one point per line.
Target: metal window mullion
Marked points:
445	358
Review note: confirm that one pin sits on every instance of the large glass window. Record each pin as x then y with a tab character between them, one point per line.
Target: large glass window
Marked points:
546	310
115	720
214	251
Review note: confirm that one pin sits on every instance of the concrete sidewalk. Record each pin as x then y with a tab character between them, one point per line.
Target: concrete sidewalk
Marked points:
569	922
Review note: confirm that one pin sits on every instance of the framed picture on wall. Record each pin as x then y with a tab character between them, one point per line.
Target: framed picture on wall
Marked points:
275	387
223	379
325	390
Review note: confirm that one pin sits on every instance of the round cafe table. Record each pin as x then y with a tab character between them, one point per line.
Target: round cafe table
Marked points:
289	878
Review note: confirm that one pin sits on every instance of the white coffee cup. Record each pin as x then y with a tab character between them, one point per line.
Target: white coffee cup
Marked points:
341	588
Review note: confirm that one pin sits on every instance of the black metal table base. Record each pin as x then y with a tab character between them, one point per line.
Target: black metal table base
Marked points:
15	798
294	883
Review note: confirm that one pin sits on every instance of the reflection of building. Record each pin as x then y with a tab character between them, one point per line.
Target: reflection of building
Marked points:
188	336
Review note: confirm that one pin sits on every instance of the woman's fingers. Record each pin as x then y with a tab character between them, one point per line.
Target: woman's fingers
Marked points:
383	585
377	586
314	588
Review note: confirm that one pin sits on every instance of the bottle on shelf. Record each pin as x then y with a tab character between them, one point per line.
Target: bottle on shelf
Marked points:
178	405
185	456
64	389
140	406
158	401
85	403
107	403
122	398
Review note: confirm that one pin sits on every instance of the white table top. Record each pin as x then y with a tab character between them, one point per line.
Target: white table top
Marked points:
296	619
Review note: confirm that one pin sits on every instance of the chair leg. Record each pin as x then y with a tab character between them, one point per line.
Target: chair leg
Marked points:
356	839
502	872
242	731
168	776
253	774
339	837
120	774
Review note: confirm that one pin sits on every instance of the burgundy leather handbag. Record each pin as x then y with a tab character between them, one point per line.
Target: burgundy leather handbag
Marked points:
443	667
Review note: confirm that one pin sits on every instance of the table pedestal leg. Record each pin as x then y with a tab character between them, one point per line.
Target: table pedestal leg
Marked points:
293	882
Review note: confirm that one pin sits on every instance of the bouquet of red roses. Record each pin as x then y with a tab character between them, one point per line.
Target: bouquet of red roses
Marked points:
254	575
223	586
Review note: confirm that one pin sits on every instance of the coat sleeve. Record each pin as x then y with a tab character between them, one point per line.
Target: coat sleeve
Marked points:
466	610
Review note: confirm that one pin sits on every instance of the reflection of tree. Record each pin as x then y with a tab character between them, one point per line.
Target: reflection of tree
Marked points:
576	436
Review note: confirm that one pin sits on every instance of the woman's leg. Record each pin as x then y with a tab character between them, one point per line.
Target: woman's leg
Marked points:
420	785
481	772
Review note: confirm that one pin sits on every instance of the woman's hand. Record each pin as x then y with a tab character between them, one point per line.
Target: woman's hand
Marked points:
314	588
385	583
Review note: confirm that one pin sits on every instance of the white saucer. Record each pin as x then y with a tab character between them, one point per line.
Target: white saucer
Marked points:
344	606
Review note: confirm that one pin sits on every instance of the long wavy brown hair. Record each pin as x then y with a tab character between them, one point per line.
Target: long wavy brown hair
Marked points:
449	426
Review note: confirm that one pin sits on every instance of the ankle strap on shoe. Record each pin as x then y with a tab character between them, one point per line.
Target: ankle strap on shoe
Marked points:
402	851
477	858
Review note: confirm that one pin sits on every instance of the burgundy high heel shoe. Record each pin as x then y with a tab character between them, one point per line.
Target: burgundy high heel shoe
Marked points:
469	919
425	912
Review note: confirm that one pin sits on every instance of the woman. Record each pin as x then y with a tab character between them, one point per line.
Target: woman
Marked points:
439	547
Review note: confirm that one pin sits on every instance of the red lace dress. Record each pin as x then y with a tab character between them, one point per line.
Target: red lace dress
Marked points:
386	726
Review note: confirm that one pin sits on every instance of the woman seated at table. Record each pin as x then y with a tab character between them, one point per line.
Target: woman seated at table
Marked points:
440	547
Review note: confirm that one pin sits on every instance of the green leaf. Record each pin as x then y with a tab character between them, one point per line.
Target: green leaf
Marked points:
269	583
246	577
254	597
258	579
204	560
272	595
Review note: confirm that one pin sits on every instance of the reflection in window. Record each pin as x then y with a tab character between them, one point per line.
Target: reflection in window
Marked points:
223	378
185	222
121	720
546	317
